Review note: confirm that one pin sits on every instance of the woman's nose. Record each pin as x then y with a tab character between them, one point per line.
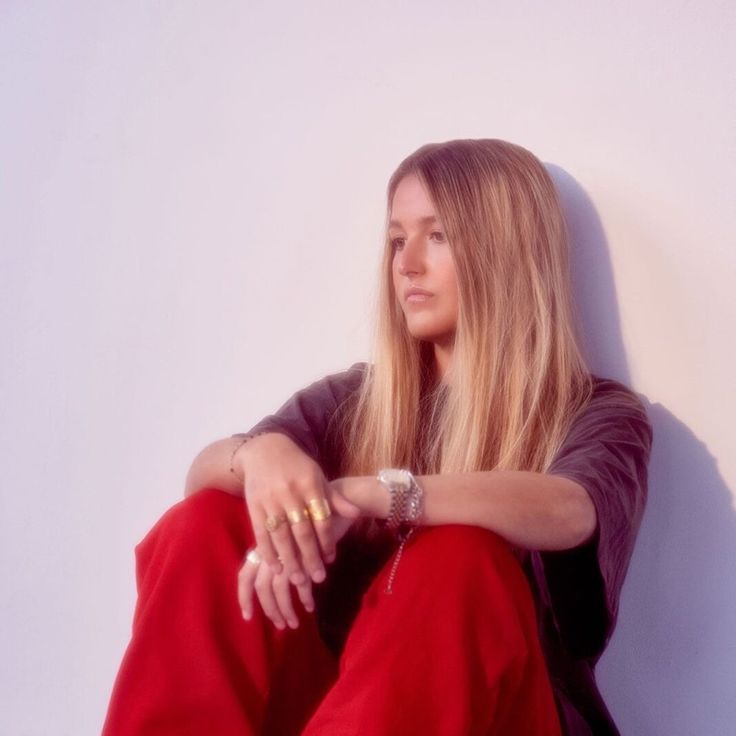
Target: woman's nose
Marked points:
411	258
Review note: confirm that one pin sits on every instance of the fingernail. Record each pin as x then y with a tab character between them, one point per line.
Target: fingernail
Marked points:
309	607
331	557
294	624
297	578
318	576
246	615
280	625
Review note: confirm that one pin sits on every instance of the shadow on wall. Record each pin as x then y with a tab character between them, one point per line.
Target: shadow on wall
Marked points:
669	669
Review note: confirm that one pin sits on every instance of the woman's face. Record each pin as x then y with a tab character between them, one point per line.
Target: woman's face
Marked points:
422	258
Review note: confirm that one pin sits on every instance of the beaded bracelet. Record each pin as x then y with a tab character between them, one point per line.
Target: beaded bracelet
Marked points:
247	437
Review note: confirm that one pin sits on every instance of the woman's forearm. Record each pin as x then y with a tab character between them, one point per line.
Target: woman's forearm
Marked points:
530	510
211	469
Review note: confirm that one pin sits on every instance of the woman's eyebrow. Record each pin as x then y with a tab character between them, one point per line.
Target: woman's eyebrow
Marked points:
427	220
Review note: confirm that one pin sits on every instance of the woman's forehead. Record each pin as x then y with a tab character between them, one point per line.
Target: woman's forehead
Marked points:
411	205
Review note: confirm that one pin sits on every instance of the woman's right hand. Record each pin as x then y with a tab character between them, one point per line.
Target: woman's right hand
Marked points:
281	477
273	590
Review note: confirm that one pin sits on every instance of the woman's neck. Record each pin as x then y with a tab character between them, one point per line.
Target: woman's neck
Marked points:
443	359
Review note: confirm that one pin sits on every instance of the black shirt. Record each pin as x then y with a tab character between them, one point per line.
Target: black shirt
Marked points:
576	591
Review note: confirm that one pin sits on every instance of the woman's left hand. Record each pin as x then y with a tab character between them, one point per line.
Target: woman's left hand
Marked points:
274	593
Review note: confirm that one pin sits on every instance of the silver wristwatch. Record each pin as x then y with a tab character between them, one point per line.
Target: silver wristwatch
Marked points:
407	497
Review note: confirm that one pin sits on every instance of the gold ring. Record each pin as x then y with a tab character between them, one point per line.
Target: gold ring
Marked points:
273	522
319	509
297	515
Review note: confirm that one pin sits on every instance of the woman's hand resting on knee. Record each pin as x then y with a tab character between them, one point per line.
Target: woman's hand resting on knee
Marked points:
281	480
273	588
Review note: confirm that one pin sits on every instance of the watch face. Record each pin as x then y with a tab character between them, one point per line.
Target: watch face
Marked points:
395	475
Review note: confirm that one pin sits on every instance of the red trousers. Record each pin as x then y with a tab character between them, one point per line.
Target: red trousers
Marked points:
453	651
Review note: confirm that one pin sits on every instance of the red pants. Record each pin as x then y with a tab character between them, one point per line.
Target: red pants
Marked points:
454	651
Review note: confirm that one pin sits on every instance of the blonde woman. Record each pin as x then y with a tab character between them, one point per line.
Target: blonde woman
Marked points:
433	542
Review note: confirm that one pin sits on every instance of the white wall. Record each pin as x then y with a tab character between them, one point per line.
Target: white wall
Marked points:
191	197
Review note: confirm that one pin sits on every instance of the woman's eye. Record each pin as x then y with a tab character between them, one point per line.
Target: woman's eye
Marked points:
398	243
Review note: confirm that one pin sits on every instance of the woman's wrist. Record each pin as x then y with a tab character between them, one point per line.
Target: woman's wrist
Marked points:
406	495
370	496
245	443
236	456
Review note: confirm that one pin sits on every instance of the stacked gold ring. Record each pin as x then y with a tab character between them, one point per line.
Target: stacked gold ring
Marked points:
297	515
273	522
319	509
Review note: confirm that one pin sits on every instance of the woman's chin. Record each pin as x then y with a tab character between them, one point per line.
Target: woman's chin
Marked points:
424	332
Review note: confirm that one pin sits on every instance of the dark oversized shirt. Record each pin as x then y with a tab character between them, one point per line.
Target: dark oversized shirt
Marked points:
576	591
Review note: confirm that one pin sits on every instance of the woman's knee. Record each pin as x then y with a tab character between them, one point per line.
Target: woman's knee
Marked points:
467	562
463	546
453	581
192	521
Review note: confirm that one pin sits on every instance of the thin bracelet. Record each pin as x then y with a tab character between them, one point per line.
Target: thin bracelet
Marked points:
403	537
245	439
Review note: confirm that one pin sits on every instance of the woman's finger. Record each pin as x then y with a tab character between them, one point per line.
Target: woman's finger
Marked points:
320	511
265	593
283	542
266	548
282	594
304	591
246	582
305	536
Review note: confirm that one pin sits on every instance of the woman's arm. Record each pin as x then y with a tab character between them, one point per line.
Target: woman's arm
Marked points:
211	469
303	419
530	510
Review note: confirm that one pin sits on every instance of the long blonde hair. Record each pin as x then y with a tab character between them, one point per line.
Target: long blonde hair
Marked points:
518	374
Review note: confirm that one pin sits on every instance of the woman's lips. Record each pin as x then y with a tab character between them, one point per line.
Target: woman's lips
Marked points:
418	297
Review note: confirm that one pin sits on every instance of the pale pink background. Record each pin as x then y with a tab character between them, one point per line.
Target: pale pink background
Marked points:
191	197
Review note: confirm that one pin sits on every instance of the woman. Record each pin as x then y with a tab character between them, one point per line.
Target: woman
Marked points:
437	539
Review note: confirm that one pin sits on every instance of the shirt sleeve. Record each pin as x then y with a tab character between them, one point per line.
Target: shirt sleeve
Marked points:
305	416
607	452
